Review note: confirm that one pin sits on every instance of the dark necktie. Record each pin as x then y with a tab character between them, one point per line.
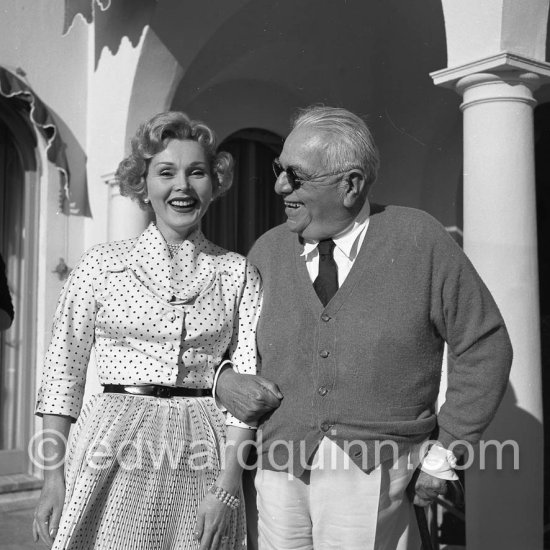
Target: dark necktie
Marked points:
326	283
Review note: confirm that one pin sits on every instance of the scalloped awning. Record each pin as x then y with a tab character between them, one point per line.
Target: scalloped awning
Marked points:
83	7
70	201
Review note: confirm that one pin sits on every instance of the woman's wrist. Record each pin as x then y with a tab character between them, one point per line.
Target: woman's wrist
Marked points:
225	497
229	483
54	477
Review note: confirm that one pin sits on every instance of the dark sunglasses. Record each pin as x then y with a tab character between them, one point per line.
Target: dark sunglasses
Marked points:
291	175
294	180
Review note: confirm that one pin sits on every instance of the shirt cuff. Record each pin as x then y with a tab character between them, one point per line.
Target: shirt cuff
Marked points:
440	463
223	364
230	420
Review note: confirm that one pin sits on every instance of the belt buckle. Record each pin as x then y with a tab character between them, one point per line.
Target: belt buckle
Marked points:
163	391
138	390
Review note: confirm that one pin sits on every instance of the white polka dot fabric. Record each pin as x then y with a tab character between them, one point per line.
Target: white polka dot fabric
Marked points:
153	319
132	477
138	468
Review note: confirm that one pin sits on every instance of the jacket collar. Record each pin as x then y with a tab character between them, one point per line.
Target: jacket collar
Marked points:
184	276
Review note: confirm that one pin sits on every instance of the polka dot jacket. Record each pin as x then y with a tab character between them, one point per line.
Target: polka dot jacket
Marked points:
152	319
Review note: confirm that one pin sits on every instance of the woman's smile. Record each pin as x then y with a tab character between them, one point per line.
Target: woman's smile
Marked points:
179	186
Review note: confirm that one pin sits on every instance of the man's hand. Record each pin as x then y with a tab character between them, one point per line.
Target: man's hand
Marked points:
427	488
246	396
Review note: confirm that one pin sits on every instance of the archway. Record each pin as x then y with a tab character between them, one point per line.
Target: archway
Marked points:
250	207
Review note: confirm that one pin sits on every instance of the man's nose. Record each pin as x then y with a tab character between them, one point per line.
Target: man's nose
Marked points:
282	185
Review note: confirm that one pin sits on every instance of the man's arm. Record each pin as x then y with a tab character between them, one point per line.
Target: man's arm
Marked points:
480	353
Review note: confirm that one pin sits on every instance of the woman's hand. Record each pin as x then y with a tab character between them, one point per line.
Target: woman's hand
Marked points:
212	518
48	511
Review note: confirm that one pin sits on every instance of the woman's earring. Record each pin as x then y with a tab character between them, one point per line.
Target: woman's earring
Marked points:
146	200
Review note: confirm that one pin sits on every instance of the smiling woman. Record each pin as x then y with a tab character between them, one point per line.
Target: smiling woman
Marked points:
154	136
179	188
161	311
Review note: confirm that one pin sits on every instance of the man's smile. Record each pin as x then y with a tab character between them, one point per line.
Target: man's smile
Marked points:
293	204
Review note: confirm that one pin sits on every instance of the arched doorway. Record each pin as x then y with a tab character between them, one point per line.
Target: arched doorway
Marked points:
19	207
251	206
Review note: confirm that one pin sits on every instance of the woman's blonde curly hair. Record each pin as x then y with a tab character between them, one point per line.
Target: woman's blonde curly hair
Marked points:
152	137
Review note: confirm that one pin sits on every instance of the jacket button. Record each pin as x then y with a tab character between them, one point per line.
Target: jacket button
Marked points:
325	427
171	316
168	346
325	317
324	353
322	390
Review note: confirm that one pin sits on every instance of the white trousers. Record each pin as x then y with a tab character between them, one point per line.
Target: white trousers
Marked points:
337	505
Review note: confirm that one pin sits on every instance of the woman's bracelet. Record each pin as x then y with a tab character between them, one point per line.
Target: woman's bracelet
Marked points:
227	498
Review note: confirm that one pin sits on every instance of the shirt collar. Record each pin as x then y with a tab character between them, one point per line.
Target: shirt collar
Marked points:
347	239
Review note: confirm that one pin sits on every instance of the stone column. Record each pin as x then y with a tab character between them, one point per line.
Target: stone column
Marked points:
125	218
504	486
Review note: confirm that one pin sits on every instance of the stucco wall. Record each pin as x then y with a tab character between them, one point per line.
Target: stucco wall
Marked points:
266	61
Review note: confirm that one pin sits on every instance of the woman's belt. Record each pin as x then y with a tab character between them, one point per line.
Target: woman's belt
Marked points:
153	390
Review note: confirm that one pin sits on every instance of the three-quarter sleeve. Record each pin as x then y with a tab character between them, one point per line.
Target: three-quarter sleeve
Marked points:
66	361
243	351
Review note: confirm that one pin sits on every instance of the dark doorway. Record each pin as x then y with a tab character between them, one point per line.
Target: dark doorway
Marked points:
18	239
251	206
542	174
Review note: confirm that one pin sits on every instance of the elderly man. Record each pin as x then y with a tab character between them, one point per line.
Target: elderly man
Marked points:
359	300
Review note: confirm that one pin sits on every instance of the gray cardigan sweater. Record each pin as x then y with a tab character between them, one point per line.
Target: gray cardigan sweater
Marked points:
367	367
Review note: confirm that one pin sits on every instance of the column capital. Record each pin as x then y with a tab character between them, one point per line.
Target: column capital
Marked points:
512	86
111	181
109	178
503	65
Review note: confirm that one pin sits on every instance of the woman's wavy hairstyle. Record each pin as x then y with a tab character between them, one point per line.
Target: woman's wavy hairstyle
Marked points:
152	137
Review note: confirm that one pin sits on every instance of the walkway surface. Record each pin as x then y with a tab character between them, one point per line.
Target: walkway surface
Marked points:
16	523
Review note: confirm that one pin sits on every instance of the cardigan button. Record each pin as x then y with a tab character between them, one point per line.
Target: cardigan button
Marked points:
324	353
168	346
325	317
325	427
171	316
322	390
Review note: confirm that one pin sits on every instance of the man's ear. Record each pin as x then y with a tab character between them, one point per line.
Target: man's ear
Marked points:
355	187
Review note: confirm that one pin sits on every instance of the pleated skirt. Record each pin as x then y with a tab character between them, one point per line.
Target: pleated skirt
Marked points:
137	470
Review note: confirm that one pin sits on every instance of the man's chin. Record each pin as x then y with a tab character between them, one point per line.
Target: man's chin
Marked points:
294	227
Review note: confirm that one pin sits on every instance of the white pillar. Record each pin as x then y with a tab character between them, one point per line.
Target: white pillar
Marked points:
504	503
125	218
125	89
504	508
